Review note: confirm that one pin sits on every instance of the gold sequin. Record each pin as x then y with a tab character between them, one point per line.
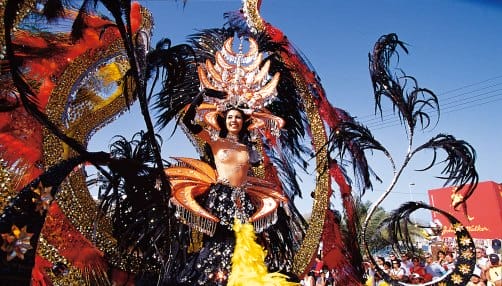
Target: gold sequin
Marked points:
310	243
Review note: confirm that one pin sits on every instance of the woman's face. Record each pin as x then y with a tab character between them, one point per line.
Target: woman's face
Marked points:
234	121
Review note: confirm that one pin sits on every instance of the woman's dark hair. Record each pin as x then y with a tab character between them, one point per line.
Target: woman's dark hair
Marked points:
440	252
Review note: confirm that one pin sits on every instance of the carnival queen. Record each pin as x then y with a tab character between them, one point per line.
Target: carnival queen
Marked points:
221	199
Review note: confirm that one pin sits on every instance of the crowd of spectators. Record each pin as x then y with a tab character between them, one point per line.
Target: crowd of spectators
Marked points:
427	267
414	269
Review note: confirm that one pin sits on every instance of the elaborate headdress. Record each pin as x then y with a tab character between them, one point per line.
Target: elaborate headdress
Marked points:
248	87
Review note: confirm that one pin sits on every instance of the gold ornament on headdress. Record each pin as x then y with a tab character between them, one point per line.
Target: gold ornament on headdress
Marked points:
248	87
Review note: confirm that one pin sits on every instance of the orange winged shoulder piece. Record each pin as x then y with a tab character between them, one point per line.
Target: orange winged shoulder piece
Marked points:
191	178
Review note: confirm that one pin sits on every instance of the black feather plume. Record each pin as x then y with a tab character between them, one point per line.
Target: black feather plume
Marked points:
177	69
353	139
133	199
412	103
460	162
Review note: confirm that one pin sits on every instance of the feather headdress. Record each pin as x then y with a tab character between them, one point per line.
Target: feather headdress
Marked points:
246	86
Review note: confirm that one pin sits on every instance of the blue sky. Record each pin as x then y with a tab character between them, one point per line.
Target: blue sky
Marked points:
455	50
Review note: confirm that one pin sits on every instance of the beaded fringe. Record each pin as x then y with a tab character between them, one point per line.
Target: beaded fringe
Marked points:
195	221
264	222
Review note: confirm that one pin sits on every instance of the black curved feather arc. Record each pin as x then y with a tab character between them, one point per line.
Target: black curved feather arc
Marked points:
397	225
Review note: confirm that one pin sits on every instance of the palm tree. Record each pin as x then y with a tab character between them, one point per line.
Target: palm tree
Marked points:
378	237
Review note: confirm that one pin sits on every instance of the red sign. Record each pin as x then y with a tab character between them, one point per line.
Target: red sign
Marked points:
484	210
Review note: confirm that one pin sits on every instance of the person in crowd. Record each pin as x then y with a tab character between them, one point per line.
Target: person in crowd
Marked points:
333	274
416	278
419	269
397	272
481	259
327	273
369	273
387	266
309	279
482	263
433	267
380	262
392	256
379	280
318	265
449	264
440	258
494	271
475	281
321	279
406	262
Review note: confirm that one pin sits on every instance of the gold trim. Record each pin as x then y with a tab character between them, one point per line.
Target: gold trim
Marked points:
50	253
311	240
252	15
74	198
7	190
77	203
27	6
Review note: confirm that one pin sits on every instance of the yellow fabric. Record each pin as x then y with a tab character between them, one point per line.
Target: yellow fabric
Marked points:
110	73
248	266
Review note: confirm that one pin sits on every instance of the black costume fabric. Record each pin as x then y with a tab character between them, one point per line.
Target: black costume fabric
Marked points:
212	264
203	267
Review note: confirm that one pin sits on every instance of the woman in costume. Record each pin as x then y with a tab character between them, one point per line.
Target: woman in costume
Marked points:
230	199
302	98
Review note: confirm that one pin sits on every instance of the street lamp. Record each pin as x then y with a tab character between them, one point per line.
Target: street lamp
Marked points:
410	188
